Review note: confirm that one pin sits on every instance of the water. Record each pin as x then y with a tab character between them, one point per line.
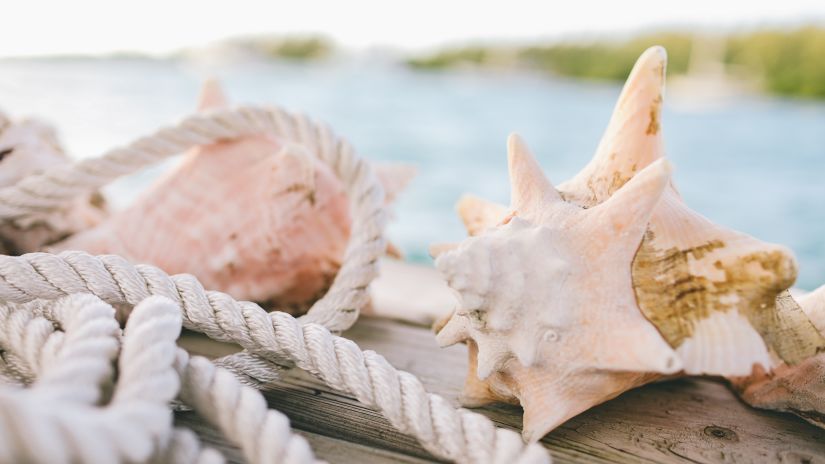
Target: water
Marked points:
756	165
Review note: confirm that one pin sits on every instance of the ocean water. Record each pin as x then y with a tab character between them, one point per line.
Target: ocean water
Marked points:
755	163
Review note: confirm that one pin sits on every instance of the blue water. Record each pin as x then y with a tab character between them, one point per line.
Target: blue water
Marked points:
756	164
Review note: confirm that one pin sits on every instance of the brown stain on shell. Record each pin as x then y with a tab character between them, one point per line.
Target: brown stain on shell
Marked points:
308	190
674	299
655	112
676	304
600	187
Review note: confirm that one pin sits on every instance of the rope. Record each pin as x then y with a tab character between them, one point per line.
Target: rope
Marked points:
67	347
267	338
338	309
450	433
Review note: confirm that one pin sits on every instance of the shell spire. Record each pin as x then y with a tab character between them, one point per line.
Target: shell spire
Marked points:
530	190
633	138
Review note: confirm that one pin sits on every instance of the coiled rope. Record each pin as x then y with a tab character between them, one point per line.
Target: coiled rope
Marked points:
276	337
64	349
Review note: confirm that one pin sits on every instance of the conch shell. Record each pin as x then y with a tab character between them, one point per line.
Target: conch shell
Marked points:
27	147
254	217
715	294
717	297
799	389
547	302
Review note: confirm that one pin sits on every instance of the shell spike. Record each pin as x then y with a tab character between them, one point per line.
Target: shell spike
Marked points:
490	361
475	393
212	96
546	406
647	78
525	350
636	116
478	214
531	191
454	331
394	177
627	212
633	138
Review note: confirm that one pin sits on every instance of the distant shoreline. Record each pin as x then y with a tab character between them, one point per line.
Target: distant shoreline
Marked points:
788	62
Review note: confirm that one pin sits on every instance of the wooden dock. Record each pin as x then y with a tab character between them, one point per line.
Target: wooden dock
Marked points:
680	421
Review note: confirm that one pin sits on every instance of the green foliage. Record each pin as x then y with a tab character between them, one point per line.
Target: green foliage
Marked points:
291	48
602	60
786	62
451	58
789	62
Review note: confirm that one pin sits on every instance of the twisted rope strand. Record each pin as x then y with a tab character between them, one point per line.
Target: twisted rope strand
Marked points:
240	412
59	408
249	369
185	448
136	424
450	433
18	328
338	309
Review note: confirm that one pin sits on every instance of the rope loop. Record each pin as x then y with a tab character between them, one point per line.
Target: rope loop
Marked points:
55	188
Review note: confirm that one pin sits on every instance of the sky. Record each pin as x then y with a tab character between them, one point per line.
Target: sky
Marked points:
38	27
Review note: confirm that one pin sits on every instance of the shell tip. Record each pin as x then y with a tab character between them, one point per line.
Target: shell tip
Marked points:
658	51
212	96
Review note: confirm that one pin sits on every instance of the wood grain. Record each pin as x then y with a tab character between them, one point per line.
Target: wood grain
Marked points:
679	421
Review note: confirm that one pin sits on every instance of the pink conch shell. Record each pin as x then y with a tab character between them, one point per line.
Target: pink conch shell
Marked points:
257	218
716	296
710	290
713	293
547	302
28	147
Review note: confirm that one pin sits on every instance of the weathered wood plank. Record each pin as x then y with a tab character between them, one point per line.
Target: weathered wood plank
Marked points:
686	420
328	448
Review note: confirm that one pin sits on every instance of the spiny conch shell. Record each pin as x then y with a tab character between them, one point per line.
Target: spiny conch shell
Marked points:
253	217
716	295
799	389
547	302
27	147
711	291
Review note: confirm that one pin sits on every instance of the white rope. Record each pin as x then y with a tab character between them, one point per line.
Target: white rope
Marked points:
338	309
445	431
450	433
67	414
